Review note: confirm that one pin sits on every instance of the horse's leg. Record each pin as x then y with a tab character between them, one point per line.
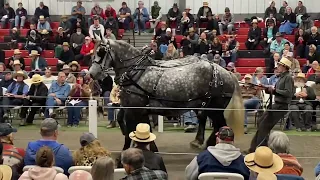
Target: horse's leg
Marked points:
131	123
202	118
218	121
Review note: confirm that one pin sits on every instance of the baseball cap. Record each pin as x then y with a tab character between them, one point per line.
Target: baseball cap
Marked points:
231	64
49	124
87	138
6	129
225	133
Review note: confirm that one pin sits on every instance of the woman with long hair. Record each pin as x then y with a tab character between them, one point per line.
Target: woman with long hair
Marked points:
216	46
171	53
103	169
259	77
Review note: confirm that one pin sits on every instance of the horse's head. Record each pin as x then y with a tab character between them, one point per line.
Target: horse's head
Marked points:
110	54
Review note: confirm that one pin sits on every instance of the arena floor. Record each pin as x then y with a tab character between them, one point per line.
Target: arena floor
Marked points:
305	146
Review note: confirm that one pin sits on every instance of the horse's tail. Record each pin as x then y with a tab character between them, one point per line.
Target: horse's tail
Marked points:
234	113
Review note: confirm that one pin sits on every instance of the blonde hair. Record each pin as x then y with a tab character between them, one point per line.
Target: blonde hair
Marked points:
173	49
258	70
92	151
103	169
314	48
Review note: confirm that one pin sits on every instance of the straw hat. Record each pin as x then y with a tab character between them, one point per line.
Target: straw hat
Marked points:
142	133
36	78
302	76
16	62
41	17
65	67
266	176
285	62
74	63
5	172
65	44
34	53
191	29
44	31
16	51
263	160
205	4
248	76
20	73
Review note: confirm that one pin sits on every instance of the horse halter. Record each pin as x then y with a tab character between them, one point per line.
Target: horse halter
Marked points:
105	49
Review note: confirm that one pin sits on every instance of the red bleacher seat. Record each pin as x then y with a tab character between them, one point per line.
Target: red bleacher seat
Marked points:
250	62
120	33
243	31
246	70
204	25
54	25
178	38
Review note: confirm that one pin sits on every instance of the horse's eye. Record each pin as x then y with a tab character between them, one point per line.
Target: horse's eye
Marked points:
101	53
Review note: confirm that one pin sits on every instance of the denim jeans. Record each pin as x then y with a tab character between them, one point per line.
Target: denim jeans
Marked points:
125	23
4	23
74	112
18	19
190	117
252	103
142	23
106	97
50	103
111	111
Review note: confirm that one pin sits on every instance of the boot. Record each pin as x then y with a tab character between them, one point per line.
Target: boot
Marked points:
112	125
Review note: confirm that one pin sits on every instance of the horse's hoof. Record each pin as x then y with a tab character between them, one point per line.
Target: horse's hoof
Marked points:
196	144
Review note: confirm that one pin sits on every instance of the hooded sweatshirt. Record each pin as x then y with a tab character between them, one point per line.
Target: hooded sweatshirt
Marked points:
219	158
63	157
40	173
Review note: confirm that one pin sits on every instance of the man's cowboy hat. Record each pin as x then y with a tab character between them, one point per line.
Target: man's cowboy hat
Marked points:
74	63
266	176
16	51
34	53
263	160
302	76
142	133
16	62
41	17
5	172
285	62
65	44
20	73
191	29
44	31
254	21
205	4
247	76
65	67
36	78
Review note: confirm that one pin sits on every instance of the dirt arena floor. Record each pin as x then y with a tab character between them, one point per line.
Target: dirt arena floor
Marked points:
174	146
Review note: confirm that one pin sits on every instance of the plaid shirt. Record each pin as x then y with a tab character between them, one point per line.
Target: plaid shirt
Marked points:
146	174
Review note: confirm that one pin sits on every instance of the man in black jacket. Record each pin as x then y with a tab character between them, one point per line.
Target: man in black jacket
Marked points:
283	92
36	97
42	10
7	15
203	13
254	36
173	15
65	57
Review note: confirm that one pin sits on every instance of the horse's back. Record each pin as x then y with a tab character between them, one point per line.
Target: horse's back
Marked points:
177	62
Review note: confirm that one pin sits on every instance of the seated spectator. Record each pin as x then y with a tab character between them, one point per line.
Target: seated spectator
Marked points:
312	56
114	101
314	38
227	22
48	77
42	10
124	17
34	42
278	44
7	15
66	56
38	63
312	70
110	35
274	78
300	10
306	23
75	67
43	25
215	46
171	53
57	94
65	25
231	49
103	168
301	101
300	43
96	11
223	157
15	38
173	16
86	52
61	37
96	29
140	17
269	34
279	143
270	12
187	21
231	67
155	16
282	11
16	56
259	78
156	54
81	175
190	121
15	94
2	70
110	12
35	97
203	13
218	60
76	11
70	78
45	38
90	150
6	81
213	23
7	172
17	67
169	38
80	93
76	41
112	24
11	155
263	160
186	45
202	45
251	98
133	162
21	16
254	36
33	26
314	77
289	23
193	37
45	160
79	23
294	62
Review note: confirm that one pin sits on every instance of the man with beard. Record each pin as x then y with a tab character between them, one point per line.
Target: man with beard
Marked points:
174	15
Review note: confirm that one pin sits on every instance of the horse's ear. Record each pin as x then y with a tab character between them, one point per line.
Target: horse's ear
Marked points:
98	38
96	45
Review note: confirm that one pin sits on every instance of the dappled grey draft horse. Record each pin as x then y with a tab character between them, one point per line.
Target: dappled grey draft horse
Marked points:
183	83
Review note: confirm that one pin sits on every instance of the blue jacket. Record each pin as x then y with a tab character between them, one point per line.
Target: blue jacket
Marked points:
63	157
61	92
145	14
273	80
263	81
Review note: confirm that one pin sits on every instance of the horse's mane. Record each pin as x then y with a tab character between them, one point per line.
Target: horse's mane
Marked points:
126	46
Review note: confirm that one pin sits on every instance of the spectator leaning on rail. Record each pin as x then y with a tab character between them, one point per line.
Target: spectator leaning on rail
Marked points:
223	157
103	168
49	133
124	16
227	22
203	13
42	10
36	98
141	16
7	15
57	94
21	16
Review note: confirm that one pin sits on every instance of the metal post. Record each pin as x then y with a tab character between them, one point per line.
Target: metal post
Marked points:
93	117
160	124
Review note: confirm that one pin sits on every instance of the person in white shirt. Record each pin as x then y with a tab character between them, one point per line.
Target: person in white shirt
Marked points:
96	29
